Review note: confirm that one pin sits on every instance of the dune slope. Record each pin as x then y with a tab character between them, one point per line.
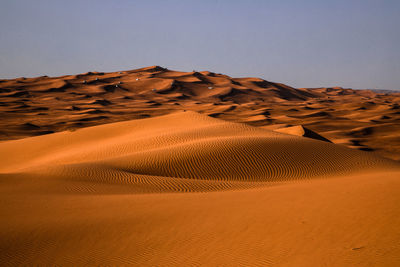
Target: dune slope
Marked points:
360	119
111	195
183	145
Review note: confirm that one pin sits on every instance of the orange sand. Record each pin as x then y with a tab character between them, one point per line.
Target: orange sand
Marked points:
247	173
112	195
359	119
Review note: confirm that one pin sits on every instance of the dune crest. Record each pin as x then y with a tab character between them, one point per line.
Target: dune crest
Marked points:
184	145
54	104
300	130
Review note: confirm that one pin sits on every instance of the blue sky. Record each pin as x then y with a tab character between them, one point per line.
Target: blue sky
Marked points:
304	43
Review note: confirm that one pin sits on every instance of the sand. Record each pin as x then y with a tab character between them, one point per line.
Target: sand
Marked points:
182	188
360	119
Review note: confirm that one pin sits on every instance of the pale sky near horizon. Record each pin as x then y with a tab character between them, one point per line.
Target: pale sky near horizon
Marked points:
304	43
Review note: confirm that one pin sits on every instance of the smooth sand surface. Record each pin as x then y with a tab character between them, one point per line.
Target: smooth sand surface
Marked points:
186	189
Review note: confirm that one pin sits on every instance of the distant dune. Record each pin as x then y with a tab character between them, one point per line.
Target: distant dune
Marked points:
360	119
153	167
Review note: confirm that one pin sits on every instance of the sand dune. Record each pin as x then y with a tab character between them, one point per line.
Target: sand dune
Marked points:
301	131
184	145
153	167
110	195
56	104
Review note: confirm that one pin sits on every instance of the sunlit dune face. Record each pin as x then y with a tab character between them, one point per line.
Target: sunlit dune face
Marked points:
359	119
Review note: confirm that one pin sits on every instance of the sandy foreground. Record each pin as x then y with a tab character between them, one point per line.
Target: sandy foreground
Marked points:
186	189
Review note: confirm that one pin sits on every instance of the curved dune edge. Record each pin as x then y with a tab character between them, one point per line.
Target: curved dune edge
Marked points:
362	119
180	152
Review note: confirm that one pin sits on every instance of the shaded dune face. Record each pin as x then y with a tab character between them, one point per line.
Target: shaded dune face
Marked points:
186	146
359	119
302	131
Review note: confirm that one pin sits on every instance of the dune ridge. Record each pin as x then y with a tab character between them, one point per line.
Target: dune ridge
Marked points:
360	119
185	145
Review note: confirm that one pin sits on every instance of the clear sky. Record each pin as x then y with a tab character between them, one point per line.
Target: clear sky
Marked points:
303	43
